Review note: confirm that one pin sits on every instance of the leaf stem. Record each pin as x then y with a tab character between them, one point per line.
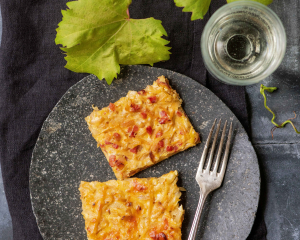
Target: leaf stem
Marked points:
128	13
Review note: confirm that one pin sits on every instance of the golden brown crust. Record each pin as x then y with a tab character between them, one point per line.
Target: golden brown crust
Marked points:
142	129
143	209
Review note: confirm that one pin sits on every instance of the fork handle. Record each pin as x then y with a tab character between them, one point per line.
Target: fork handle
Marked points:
193	232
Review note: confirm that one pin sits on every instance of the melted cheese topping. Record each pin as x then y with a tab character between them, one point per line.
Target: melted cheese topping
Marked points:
142	128
133	209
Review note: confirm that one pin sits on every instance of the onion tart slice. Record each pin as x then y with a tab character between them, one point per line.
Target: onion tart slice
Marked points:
142	129
136	209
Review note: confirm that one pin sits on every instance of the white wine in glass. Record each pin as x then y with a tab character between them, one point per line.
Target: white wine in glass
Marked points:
243	43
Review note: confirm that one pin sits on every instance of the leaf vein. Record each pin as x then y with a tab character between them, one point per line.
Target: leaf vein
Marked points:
90	28
102	45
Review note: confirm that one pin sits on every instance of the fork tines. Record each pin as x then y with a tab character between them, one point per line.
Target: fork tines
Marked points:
226	153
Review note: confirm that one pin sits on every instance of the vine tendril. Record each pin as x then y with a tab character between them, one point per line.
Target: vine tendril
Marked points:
272	89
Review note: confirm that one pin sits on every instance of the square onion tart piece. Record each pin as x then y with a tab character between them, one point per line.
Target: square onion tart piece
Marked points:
142	129
134	208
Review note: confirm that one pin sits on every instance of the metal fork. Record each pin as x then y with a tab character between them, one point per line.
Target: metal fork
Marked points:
210	180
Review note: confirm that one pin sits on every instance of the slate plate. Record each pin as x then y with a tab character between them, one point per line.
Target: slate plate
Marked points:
66	154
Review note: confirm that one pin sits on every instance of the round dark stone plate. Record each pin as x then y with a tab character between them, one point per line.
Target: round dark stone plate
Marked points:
66	154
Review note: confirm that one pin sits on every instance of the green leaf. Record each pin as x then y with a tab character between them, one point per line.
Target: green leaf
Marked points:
98	36
265	2
198	7
272	89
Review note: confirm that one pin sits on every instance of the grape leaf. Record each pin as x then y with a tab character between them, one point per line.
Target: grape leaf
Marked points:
265	2
98	36
198	7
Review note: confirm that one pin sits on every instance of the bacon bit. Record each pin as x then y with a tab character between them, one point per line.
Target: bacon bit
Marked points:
134	150
163	120
181	132
107	142
138	208
175	148
101	145
164	117
119	165
144	115
128	204
179	114
170	148
134	107
162	83
88	229
151	156
161	143
112	160
142	92
180	143
133	131
153	234
115	146
160	236
149	130
159	134
163	114
139	186
112	107
117	136
152	99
